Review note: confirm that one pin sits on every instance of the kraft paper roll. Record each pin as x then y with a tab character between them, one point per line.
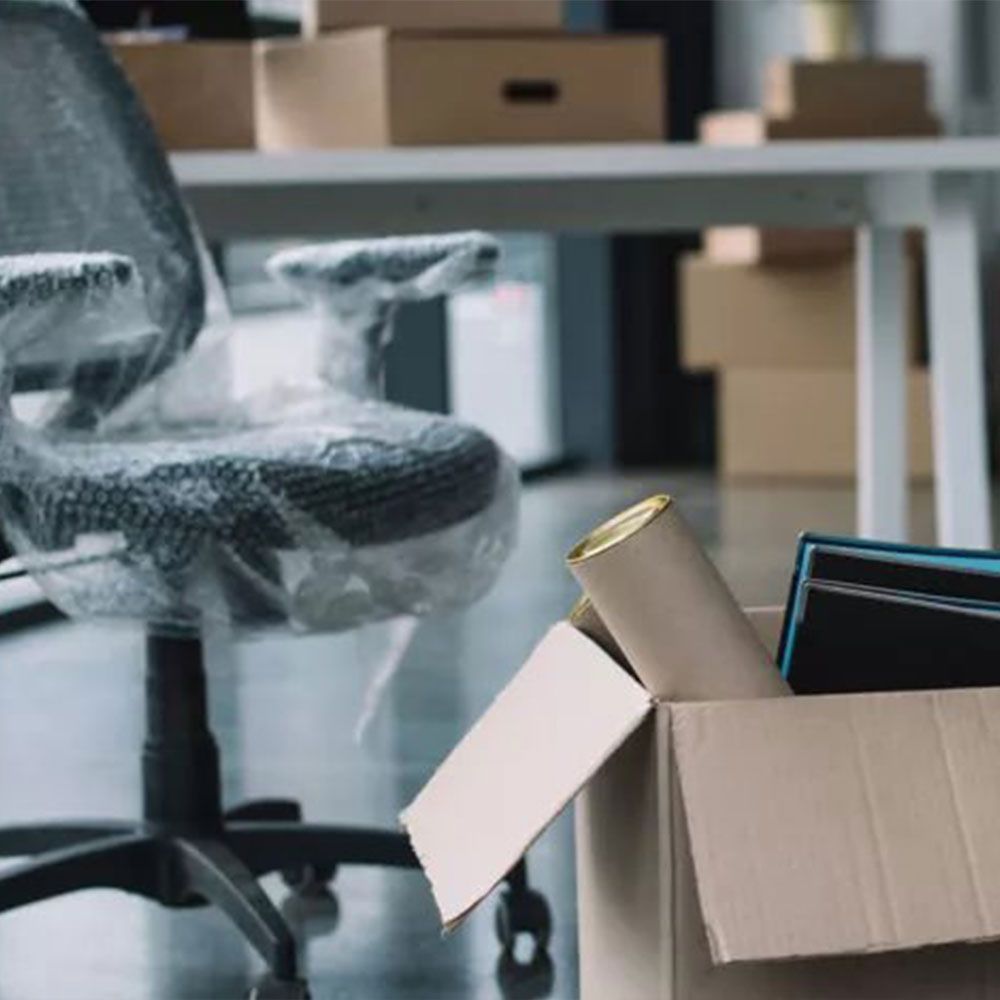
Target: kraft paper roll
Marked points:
584	618
669	610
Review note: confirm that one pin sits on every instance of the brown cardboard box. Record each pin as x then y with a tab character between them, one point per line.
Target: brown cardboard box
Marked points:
808	848
750	128
798	424
373	87
432	15
783	247
198	94
738	315
750	245
843	91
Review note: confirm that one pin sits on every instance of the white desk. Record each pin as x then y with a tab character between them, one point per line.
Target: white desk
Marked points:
880	187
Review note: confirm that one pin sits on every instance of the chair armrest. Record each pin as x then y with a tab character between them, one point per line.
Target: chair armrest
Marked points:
62	311
356	286
349	274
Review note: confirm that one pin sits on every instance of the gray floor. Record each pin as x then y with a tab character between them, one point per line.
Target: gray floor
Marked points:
285	711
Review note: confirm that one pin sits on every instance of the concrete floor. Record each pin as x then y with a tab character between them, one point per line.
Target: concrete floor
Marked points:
285	712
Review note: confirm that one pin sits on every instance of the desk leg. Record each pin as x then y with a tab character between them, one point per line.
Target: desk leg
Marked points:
881	385
958	403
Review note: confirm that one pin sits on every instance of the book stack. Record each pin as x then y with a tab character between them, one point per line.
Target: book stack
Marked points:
772	311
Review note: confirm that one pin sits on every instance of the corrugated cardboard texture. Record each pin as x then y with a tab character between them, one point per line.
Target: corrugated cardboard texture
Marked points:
801	424
198	94
565	712
642	936
372	87
432	15
734	315
844	90
945	973
843	825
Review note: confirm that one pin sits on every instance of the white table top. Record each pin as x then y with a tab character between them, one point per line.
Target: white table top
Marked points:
651	187
488	164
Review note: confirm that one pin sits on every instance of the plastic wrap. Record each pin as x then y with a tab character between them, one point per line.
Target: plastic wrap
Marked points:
324	509
135	479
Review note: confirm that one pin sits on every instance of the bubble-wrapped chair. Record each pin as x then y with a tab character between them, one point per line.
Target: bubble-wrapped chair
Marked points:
136	483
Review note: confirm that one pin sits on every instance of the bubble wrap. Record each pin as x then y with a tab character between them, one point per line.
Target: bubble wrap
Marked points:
135	482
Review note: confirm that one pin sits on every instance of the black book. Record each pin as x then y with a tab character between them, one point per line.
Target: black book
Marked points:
881	570
851	639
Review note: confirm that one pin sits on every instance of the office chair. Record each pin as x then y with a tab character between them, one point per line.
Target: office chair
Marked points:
136	483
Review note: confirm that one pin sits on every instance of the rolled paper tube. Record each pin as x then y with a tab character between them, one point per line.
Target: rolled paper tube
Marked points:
584	618
669	610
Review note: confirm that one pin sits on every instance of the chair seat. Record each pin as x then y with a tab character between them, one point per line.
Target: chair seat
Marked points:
391	475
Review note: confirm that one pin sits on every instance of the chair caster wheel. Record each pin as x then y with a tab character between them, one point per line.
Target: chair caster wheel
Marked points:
270	988
523	912
533	979
309	880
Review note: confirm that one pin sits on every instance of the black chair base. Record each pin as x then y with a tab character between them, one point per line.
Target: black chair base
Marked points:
186	851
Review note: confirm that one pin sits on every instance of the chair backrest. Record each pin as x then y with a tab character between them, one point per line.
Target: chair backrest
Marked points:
82	170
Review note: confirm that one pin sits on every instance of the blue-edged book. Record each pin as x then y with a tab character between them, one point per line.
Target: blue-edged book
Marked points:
865	615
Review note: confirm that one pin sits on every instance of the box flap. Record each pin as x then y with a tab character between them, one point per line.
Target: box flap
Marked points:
564	713
846	824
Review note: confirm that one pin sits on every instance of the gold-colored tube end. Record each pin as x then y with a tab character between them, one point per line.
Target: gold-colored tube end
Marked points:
579	610
609	534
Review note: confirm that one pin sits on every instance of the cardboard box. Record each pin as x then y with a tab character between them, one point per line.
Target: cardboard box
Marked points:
750	128
844	91
737	315
373	87
797	424
199	94
750	245
782	247
432	15
808	848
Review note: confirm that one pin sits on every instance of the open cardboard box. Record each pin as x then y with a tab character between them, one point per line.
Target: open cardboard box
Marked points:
833	847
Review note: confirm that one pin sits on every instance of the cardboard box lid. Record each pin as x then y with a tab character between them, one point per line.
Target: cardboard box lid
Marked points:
566	711
846	824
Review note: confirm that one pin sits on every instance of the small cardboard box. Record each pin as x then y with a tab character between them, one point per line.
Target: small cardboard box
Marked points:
199	94
800	424
844	91
809	848
750	245
432	15
751	128
373	87
739	315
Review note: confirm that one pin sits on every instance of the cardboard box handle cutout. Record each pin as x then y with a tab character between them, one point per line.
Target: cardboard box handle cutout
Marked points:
530	91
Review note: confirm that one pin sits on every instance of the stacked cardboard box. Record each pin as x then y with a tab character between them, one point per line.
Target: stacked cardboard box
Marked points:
437	72
378	73
199	94
773	310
